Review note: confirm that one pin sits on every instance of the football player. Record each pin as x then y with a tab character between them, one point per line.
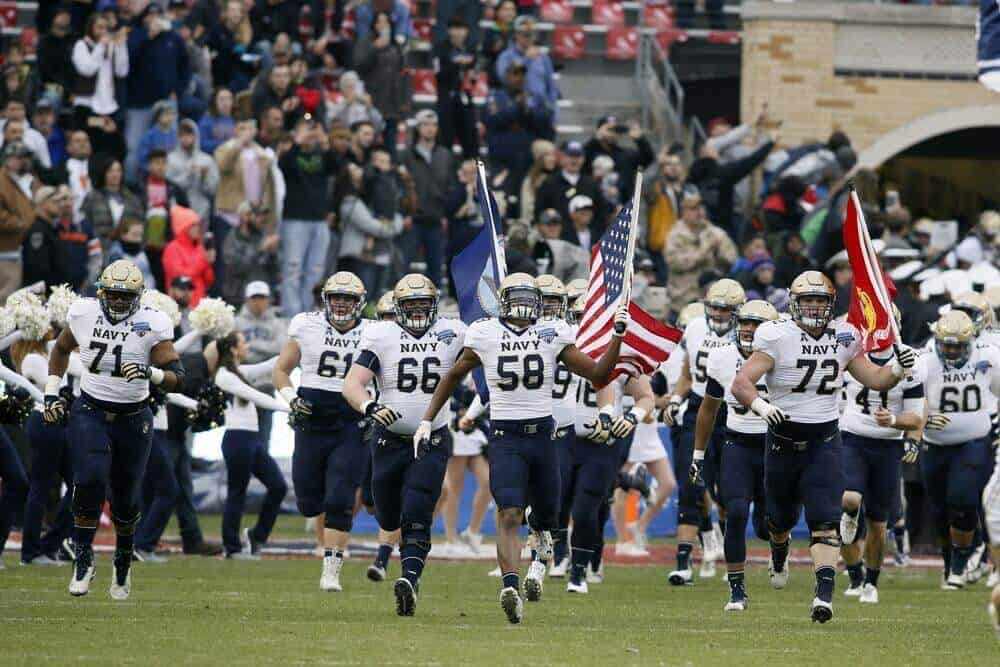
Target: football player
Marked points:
878	431
804	359
385	309
991	503
123	348
407	359
959	377
701	336
519	355
741	476
327	463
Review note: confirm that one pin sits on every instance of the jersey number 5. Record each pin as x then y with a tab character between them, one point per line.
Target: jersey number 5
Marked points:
532	377
826	386
102	349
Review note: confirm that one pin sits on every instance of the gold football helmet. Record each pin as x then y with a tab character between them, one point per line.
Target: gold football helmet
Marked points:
576	309
575	288
977	307
721	301
989	224
343	298
954	333
385	309
817	288
519	298
416	300
690	312
119	290
748	318
554	299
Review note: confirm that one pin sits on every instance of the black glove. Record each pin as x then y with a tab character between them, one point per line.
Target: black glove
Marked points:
301	407
382	414
911	450
55	410
694	473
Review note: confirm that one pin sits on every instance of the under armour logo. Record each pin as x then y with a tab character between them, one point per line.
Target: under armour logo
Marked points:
498	433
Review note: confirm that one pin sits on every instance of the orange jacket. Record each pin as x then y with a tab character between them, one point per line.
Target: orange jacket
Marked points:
186	257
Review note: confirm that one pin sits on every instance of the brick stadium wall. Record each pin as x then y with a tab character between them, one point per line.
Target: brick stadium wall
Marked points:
815	65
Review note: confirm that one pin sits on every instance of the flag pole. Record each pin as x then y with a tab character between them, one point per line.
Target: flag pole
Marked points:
487	206
872	257
632	234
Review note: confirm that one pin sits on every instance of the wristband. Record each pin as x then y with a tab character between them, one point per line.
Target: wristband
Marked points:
287	393
892	420
608	410
156	376
638	413
759	406
52	385
699	455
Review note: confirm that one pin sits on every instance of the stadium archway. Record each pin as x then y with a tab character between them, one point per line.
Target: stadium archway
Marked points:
928	127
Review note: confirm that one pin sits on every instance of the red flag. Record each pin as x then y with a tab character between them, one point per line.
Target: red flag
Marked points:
872	290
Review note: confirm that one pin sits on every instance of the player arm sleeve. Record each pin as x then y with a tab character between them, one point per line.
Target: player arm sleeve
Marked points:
658	381
369	360
228	382
714	389
368	347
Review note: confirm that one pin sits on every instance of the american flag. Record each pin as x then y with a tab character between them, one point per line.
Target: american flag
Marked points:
648	342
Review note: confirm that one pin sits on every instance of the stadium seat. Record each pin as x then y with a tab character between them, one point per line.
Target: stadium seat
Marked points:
8	14
724	37
658	17
481	89
665	38
424	82
607	12
567	42
29	40
557	11
622	43
422	29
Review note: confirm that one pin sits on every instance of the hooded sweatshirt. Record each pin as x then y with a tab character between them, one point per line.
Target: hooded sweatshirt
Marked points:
156	137
195	172
185	257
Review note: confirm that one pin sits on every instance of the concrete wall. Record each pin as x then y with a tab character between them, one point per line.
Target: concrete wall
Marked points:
888	75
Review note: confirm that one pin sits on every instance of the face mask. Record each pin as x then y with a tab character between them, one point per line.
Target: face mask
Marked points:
132	247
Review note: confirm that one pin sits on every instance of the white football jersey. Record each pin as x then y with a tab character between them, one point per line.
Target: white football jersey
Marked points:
519	366
410	368
723	365
990	337
961	394
105	347
861	402
671	369
563	396
586	404
697	342
807	376
327	354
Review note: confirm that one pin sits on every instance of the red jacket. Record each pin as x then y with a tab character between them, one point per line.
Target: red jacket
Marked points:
186	257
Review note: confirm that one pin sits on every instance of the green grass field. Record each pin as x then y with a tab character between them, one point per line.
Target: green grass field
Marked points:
210	611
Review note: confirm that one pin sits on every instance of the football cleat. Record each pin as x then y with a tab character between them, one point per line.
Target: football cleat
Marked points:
977	567
406	597
121	577
901	559
513	606
778	579
738	601
848	527
533	581
330	579
251	543
543	545
83	571
560	568
144	556
869	594
241	555
954	582
707	569
822	611
681	577
375	572
577	586
853	591
595	576
66	550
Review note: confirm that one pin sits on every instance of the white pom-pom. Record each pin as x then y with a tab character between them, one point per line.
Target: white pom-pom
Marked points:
163	303
60	301
7	322
21	297
31	317
214	318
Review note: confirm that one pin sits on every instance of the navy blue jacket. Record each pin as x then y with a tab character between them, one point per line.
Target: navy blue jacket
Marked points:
511	127
157	67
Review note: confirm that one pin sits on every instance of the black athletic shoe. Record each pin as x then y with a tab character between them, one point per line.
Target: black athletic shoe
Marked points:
406	597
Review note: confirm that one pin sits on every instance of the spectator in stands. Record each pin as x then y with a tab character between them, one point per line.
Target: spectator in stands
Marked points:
751	248
244	176
193	170
101	61
566	261
273	21
811	161
21	80
362	140
275	90
15	112
625	144
199	89
75	170
271	122
355	105
305	235
217	125
546	160
109	201
661	193
470	12
159	196
159	70
793	260
54	56
694	246
430	165
42	254
462	208
519	251
540	77
161	136
497	38
340	143
17	212
127	244
186	255
83	250
761	283
379	59
782	210
515	118
250	253
559	188
308	88
455	62
399	14
230	41
365	238
585	229
44	121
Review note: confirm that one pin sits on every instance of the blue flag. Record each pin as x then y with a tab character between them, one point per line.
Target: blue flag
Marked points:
478	270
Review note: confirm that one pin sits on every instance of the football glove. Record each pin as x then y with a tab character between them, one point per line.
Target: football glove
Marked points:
422	440
937	422
911	450
600	429
301	407
381	414
55	409
694	473
671	411
767	411
132	371
622	426
905	358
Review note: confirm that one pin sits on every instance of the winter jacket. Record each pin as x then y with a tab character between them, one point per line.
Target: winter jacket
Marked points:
380	70
185	257
195	172
556	192
307	182
265	335
17	211
155	138
231	191
539	77
348	113
688	254
96	209
399	16
511	127
431	180
363	236
716	182
55	62
628	158
44	256
214	131
157	67
246	262
140	260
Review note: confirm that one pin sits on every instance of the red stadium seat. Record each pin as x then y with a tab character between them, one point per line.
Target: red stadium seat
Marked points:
667	37
422	29
481	88
8	15
557	11
623	43
724	37
658	17
424	82
606	12
567	42
29	40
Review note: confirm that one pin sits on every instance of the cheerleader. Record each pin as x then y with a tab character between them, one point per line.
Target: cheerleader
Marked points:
242	448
